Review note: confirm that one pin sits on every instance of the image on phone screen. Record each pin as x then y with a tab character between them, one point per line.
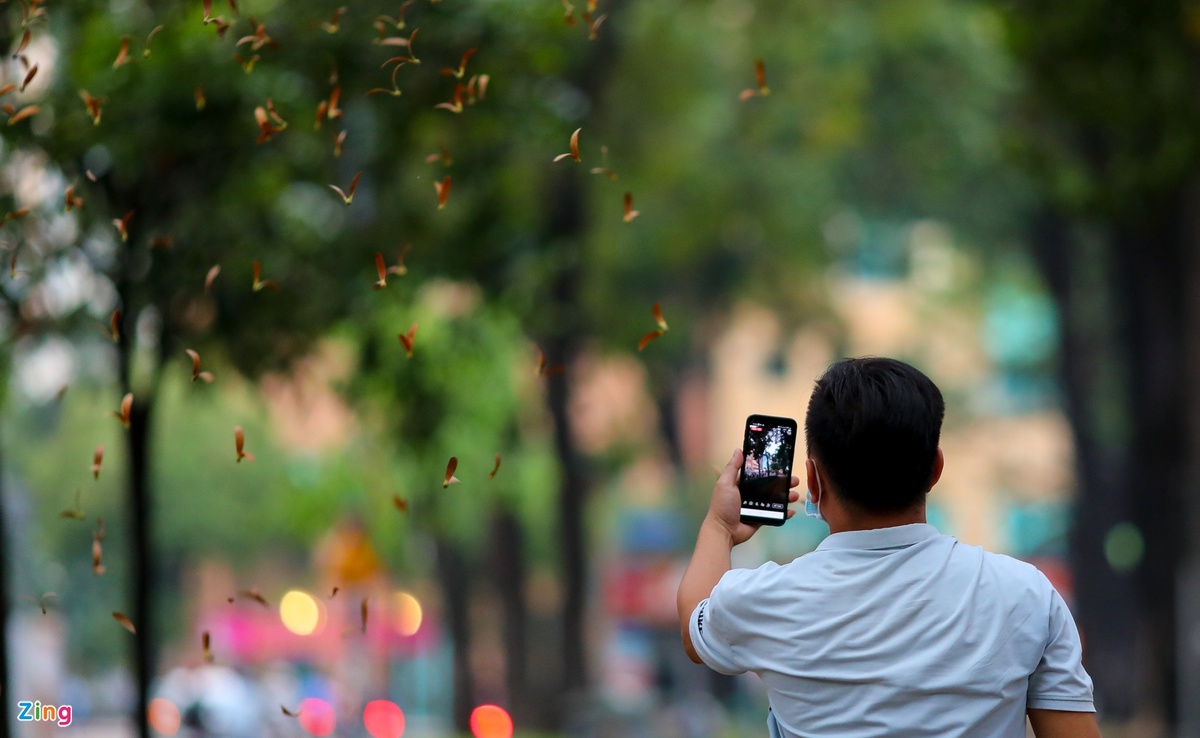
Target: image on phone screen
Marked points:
768	450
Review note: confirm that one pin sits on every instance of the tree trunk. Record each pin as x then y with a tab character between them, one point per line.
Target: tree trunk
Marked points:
142	582
1189	579
452	571
5	608
666	397
564	230
508	572
1104	600
1153	268
1136	473
572	501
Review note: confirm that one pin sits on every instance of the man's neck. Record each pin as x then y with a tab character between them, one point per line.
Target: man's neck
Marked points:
865	521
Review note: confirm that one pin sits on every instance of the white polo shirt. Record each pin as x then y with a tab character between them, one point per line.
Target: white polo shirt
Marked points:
896	632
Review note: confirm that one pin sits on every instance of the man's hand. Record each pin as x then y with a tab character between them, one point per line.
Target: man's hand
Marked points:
725	509
721	530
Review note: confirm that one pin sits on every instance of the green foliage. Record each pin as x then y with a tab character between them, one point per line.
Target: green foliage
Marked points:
1109	122
890	110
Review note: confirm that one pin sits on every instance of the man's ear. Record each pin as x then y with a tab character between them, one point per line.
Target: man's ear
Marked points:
939	461
814	484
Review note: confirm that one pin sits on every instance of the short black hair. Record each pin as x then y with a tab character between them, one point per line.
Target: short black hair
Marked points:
873	425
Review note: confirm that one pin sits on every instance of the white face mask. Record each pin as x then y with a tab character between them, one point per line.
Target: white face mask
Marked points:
811	509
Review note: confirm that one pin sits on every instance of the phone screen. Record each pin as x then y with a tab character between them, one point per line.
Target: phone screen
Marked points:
769	447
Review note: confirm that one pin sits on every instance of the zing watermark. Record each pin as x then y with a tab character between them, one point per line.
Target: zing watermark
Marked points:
44	713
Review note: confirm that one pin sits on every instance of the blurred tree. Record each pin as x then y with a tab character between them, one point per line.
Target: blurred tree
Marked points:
165	141
1108	131
887	112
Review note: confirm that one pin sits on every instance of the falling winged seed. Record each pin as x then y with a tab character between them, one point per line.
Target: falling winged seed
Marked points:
646	339
450	467
76	513
149	38
381	271
462	66
662	327
122	225
123	54
24	43
205	646
658	316
333	593
289	713
364	614
574	153
407	339
114	322
333	112
630	213
400	269
253	594
97	459
208	278
443	191
125	622
760	76
126	408
29	77
97	556
239	440
594	24
348	196
400	503
43	598
495	468
24	113
259	283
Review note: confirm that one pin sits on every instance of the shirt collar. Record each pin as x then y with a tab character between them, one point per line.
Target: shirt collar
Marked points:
897	536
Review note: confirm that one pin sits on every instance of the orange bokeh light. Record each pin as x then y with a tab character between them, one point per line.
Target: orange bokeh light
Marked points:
408	616
491	721
163	716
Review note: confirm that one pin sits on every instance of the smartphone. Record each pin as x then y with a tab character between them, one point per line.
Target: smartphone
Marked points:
768	450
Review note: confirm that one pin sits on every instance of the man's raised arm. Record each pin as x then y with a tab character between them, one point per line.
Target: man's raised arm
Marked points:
1062	724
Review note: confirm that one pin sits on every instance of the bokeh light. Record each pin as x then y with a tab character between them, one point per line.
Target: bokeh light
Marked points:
1124	547
408	615
383	719
299	612
163	716
491	721
317	716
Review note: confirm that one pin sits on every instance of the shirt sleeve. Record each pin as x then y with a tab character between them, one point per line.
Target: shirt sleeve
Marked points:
1060	682
718	626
